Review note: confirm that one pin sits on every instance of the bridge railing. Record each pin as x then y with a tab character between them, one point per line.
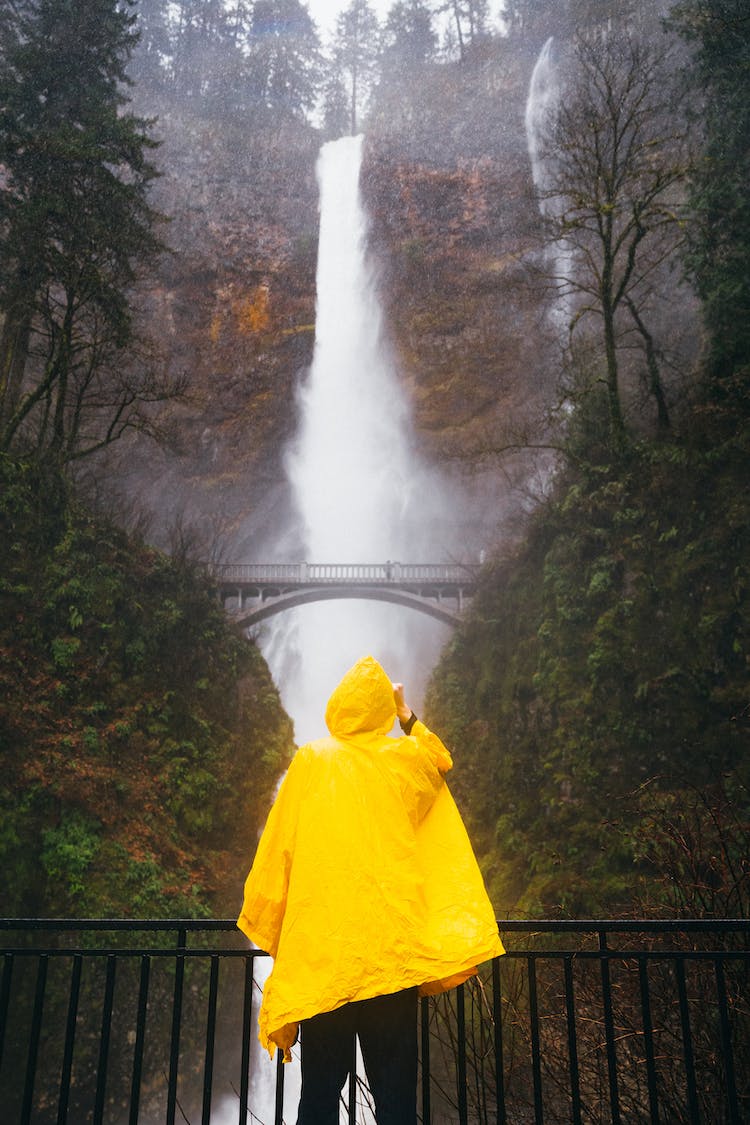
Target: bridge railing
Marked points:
349	573
623	1023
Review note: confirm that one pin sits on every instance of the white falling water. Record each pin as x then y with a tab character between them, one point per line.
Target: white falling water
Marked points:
542	100
360	493
350	469
541	104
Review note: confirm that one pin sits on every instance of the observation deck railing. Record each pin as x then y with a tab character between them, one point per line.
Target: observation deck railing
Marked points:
581	1023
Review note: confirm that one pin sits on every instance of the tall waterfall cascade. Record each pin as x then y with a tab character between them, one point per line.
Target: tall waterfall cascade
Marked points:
350	468
360	493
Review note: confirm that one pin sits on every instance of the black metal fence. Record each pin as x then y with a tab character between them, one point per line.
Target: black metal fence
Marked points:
581	1023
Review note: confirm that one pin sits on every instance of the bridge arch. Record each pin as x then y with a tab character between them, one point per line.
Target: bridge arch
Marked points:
253	592
254	615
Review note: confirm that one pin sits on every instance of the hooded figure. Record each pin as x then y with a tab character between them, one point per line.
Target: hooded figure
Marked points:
364	883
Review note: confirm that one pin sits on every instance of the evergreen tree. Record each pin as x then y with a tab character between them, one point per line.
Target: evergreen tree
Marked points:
719	257
355	55
529	17
202	47
154	48
284	57
336	113
409	38
75	226
468	22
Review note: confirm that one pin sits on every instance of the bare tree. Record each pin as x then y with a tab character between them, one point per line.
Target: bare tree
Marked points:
85	391
616	169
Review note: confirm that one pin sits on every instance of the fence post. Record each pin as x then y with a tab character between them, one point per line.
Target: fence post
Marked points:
687	1042
101	1074
174	1054
36	1028
575	1087
247	1017
497	1018
140	1039
609	1029
726	1044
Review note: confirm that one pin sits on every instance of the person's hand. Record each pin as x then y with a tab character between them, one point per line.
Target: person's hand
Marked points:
403	710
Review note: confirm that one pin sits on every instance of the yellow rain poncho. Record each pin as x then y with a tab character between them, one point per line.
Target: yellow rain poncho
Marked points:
364	881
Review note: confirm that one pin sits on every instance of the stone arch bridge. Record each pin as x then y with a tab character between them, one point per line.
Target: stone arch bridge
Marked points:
253	592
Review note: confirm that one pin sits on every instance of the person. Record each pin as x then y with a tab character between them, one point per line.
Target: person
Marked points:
365	891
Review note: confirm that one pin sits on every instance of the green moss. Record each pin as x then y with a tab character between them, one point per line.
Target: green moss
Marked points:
611	654
137	727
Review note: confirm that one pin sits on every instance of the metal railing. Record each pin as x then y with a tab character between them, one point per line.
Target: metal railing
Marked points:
349	573
580	1023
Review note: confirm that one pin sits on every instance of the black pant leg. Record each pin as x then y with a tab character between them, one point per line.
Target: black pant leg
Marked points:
387	1029
327	1052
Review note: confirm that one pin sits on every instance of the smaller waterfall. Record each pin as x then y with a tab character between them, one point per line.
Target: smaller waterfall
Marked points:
541	105
542	100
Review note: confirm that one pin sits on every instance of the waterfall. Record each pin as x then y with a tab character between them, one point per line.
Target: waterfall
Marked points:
350	468
541	102
360	493
541	105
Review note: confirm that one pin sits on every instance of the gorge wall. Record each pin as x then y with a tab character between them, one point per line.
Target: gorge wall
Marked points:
453	230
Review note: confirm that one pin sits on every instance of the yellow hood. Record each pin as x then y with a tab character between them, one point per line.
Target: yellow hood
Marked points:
362	703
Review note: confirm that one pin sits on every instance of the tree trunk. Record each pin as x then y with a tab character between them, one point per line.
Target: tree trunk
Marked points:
616	425
654	375
354	101
14	350
63	372
459	33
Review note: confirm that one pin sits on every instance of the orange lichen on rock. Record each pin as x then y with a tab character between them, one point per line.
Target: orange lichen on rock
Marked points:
252	312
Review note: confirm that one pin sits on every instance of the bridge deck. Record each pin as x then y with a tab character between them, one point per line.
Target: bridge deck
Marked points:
253	592
349	574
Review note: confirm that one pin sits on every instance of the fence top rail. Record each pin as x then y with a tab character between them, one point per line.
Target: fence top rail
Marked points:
627	925
515	925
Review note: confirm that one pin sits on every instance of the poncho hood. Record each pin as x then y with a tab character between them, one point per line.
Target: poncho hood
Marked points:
363	702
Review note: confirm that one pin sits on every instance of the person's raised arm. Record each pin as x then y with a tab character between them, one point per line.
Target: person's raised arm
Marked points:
404	713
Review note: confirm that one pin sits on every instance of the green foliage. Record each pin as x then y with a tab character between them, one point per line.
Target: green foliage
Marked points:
284	63
230	62
76	228
355	56
68	851
409	39
719	251
610	658
141	737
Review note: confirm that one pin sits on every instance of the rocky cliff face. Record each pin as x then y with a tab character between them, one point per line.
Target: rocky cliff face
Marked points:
461	297
453	222
233	311
455	229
